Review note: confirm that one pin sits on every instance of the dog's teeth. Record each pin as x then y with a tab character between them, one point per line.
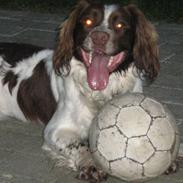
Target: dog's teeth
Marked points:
90	57
110	61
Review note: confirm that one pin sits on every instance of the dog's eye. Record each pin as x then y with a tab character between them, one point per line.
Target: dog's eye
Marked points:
88	22
119	26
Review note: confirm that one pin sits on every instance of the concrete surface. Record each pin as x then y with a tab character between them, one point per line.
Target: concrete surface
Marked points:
21	157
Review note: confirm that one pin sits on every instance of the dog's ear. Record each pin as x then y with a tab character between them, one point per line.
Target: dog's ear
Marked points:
65	42
145	50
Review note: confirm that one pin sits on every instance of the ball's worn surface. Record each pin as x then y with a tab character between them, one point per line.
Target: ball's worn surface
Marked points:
134	138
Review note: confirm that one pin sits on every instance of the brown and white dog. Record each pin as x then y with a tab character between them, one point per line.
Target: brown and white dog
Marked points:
103	50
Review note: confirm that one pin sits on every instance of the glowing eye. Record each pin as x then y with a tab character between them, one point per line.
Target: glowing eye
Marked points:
88	22
119	26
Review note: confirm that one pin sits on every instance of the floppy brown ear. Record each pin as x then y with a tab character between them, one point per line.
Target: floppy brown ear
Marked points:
145	50
65	44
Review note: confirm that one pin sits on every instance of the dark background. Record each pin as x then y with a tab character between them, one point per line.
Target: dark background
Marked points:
169	10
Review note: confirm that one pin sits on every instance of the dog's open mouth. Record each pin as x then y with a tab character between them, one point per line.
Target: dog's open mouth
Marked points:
99	66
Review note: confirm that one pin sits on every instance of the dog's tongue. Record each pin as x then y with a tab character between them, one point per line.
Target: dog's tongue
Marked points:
98	74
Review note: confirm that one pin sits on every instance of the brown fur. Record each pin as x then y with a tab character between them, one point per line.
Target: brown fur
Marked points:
145	50
64	48
10	79
35	97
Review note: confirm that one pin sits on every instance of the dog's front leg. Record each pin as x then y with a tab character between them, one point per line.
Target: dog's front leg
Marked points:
64	139
66	135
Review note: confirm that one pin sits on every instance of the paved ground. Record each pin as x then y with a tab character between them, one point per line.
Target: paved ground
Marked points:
21	157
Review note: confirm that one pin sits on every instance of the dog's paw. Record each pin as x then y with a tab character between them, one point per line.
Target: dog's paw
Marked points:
172	169
92	174
175	166
66	139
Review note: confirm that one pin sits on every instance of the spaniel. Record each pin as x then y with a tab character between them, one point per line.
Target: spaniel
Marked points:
103	50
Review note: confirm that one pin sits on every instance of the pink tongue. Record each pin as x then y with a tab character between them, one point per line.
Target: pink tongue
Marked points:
98	74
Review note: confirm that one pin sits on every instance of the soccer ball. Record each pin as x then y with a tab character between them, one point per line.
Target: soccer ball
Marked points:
134	138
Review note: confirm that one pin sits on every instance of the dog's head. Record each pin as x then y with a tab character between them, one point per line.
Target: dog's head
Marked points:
107	38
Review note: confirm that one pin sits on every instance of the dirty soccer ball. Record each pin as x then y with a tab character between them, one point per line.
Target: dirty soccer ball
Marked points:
134	138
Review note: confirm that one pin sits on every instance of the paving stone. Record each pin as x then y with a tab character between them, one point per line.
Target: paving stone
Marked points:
174	37
168	81
168	26
177	111
166	96
172	68
19	15
37	37
168	51
10	30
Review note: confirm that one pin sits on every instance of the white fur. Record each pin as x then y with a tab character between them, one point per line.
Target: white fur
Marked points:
77	104
108	9
24	68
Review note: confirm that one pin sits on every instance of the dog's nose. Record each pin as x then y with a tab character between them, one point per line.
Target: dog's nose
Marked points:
100	37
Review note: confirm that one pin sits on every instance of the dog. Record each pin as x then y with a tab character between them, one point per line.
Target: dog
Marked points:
102	50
